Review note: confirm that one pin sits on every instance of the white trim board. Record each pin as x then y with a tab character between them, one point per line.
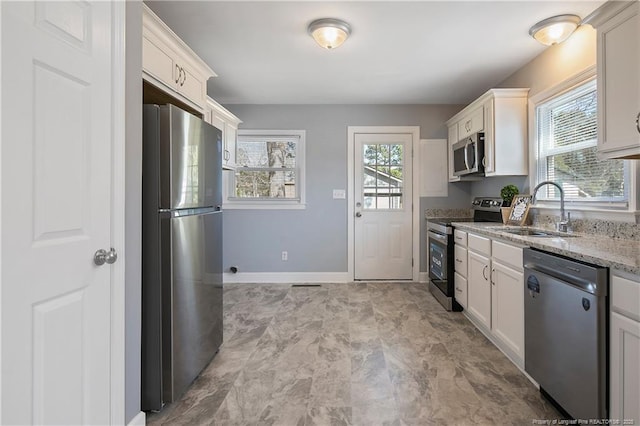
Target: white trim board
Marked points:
140	419
415	140
286	277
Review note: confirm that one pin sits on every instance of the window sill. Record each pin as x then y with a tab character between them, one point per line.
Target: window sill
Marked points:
264	205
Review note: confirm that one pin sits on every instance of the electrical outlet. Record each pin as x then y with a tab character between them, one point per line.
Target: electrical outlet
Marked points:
285	255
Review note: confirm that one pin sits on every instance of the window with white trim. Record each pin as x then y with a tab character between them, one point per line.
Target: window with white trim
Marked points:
566	130
270	170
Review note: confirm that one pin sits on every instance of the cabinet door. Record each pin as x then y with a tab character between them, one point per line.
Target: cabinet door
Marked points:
157	61
451	139
625	368
460	284
472	123
507	307
433	168
619	85
190	84
479	288
230	138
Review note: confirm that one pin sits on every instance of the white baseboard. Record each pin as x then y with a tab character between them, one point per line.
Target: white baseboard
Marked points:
423	277
286	277
139	420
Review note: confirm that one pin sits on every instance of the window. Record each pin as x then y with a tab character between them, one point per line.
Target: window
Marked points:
270	169
566	128
383	177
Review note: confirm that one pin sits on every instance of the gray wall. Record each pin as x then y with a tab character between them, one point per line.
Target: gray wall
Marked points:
133	213
554	65
316	238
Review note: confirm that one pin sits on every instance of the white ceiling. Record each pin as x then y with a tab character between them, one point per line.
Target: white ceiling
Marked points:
416	52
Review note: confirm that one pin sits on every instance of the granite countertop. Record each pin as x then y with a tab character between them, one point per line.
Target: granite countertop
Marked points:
621	254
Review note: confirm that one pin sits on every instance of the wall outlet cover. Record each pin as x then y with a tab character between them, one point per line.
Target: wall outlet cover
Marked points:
339	194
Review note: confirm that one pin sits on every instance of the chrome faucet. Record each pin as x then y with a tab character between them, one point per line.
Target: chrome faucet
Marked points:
565	221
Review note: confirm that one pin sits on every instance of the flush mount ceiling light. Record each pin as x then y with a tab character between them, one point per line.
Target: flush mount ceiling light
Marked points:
555	30
329	32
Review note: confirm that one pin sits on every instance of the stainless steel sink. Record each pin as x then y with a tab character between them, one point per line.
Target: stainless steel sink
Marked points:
529	232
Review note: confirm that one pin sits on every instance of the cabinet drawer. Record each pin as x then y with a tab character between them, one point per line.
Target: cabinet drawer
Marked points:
460	237
460	259
479	244
472	123
625	297
507	254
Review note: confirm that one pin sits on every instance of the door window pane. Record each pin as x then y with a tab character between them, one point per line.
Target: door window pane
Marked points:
382	176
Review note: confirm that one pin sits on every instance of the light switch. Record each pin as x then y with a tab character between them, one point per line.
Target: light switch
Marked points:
339	194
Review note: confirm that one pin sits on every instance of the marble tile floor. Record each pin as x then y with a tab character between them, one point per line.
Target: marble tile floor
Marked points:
375	353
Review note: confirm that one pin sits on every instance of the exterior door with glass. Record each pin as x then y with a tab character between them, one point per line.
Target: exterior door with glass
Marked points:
383	206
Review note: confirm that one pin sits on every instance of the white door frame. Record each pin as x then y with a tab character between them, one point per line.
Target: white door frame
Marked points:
415	199
118	186
117	391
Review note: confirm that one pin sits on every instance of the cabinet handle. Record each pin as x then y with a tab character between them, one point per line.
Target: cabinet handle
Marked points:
458	260
458	290
227	155
184	77
484	275
638	122
493	271
459	238
179	73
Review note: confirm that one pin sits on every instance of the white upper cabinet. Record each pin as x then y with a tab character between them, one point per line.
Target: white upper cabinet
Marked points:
218	116
169	64
502	115
618	63
471	123
452	138
433	168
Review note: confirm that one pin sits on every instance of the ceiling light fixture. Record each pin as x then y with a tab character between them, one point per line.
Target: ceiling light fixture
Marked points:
555	30
329	32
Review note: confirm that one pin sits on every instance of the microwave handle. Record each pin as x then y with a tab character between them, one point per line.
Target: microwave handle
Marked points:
466	155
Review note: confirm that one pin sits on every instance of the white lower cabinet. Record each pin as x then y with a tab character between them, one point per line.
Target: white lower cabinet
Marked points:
507	302
460	284
624	344
479	288
495	292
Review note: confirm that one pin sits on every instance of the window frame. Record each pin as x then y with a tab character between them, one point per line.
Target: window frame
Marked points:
622	207
231	202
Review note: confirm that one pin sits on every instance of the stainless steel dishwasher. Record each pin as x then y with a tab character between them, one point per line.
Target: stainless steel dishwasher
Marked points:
566	339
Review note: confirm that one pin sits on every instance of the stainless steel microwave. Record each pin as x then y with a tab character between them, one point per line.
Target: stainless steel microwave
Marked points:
468	156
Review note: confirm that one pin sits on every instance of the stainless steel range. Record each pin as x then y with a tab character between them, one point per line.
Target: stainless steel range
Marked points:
441	248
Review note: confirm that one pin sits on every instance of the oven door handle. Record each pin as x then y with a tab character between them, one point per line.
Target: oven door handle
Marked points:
441	238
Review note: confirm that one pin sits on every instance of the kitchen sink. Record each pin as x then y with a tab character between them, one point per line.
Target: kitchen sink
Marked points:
529	232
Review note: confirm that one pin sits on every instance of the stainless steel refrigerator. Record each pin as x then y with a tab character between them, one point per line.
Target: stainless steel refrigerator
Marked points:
181	251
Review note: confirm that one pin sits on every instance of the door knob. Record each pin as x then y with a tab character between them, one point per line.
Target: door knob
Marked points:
102	256
358	214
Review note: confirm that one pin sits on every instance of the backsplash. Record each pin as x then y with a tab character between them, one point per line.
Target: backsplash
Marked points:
450	213
622	230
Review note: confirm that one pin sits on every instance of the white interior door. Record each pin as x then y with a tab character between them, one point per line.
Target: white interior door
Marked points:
57	140
383	206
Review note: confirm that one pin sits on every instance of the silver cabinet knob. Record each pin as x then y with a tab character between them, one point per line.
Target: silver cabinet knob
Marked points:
102	256
358	214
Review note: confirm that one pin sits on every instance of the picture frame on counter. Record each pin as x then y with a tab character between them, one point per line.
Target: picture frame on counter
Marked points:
519	209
